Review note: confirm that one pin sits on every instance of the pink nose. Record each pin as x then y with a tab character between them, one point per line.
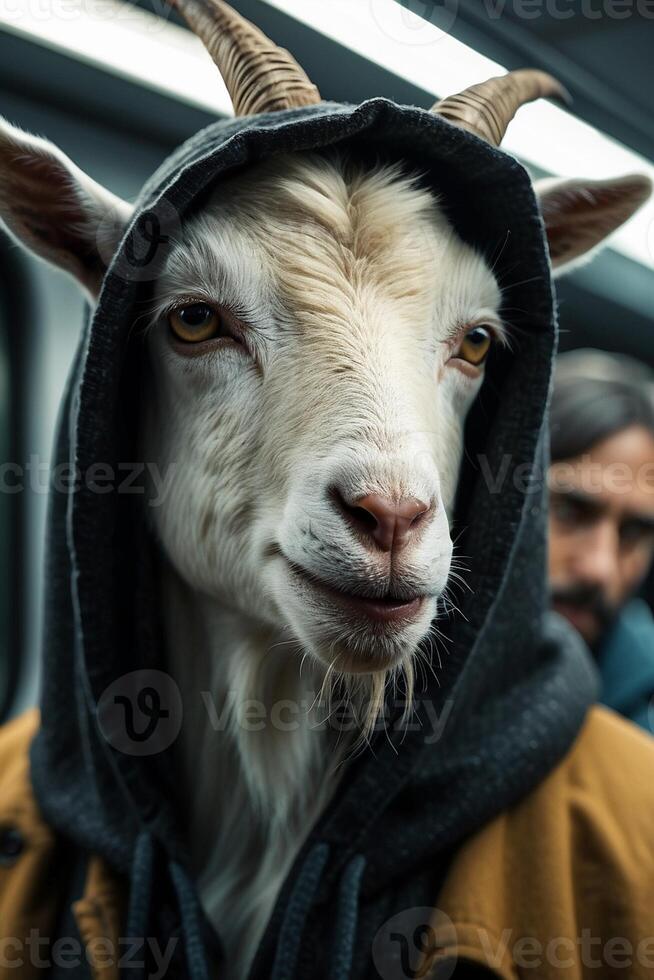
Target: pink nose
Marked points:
389	523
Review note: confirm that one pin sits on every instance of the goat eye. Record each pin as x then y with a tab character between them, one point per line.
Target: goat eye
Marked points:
475	346
195	323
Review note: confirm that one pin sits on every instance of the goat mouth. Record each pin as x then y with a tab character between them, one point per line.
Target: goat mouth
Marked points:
378	609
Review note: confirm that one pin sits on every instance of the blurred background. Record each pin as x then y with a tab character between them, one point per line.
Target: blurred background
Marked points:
118	85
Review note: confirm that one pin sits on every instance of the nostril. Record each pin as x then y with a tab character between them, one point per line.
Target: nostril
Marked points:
363	517
356	514
422	510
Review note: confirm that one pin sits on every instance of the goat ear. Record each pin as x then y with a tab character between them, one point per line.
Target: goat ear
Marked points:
580	214
54	209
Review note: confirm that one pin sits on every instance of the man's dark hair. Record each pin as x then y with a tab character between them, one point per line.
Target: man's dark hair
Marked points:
597	395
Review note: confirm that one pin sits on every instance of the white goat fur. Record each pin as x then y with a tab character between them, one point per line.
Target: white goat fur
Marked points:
356	291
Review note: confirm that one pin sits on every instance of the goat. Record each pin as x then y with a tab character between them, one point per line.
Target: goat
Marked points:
317	336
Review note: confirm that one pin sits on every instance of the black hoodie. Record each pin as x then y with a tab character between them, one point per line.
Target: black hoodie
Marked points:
515	682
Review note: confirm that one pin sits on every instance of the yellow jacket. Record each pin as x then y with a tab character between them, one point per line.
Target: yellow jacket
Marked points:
561	885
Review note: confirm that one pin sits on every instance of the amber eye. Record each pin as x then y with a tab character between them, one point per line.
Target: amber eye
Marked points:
195	323
475	345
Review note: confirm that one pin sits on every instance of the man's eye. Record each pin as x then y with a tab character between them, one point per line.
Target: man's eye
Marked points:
635	534
569	511
195	323
475	346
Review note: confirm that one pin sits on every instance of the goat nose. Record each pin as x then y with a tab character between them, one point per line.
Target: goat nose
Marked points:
387	521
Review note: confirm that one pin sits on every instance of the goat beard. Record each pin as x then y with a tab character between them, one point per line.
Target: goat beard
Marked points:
356	686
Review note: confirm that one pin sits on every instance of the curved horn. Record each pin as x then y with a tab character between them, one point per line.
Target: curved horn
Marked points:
487	109
260	77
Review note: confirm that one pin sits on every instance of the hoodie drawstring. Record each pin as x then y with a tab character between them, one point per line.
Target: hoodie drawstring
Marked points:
300	899
297	909
347	914
140	893
140	902
290	933
191	928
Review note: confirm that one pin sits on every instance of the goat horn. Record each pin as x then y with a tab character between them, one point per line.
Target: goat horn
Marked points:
260	77
487	109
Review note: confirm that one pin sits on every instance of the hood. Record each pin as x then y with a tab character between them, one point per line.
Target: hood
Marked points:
514	683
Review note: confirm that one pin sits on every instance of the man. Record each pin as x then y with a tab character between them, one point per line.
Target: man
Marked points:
602	518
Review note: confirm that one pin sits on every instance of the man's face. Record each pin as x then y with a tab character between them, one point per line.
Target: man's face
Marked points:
601	529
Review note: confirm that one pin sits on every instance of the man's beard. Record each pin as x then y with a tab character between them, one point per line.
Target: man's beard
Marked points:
591	599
